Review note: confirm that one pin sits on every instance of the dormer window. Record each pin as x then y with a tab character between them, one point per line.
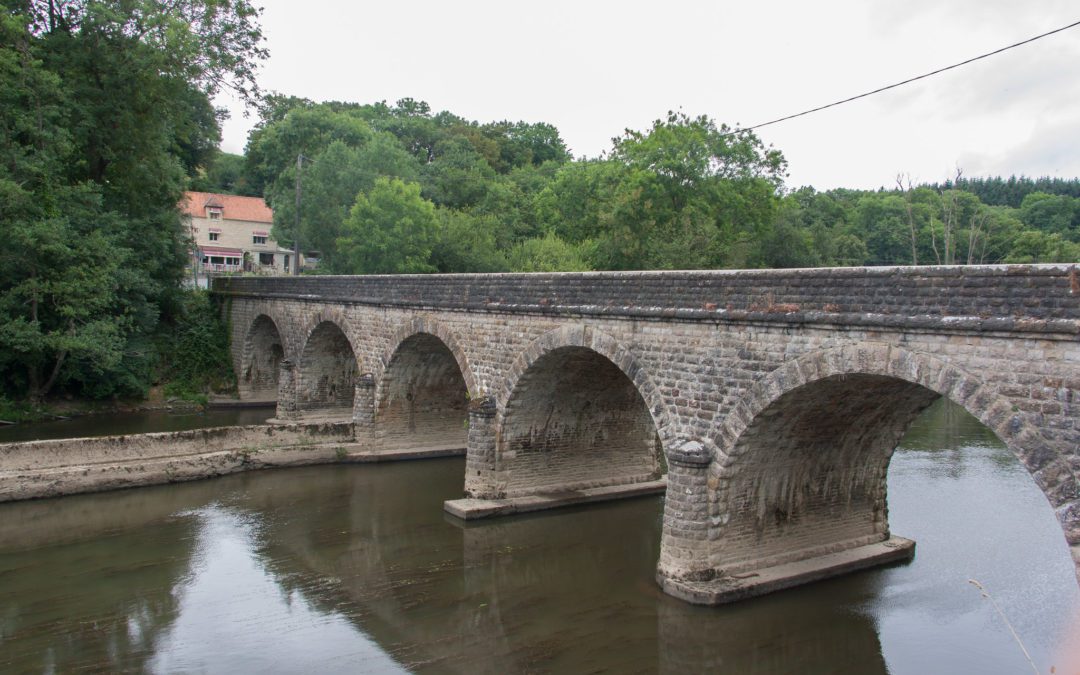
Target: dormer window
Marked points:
214	213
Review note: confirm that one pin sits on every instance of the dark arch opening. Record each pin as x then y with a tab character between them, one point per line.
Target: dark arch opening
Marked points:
810	471
575	420
423	401
328	372
263	354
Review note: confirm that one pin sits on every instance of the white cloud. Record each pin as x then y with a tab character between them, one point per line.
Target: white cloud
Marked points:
595	68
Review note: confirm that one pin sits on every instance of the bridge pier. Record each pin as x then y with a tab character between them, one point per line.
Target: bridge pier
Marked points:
486	483
363	416
480	474
684	544
287	409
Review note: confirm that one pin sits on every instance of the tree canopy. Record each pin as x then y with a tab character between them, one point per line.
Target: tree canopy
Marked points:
106	114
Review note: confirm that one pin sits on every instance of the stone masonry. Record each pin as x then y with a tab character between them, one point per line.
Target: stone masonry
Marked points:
774	398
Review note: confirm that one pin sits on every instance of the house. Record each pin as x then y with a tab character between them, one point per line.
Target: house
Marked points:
232	235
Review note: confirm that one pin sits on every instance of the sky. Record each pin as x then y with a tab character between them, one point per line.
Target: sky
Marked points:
593	68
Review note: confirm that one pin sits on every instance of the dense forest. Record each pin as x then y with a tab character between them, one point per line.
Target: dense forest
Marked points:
105	117
398	188
105	107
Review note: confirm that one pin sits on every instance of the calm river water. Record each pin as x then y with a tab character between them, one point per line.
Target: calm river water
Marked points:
356	569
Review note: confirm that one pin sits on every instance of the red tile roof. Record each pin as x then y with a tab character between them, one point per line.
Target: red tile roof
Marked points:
234	207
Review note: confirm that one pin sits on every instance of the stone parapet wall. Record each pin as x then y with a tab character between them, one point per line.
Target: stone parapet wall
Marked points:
1042	298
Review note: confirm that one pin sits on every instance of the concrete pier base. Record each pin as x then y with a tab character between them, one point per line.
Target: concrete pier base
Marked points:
361	453
723	590
473	509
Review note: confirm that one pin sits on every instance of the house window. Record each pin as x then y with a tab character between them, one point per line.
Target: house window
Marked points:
214	236
215	214
266	258
258	239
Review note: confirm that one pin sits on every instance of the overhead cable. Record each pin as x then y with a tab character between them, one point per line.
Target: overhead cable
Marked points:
907	81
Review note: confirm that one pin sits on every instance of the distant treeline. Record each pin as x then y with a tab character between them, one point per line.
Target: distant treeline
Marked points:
398	188
1011	191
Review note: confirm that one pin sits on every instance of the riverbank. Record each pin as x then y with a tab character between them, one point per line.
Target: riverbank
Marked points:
24	412
55	467
50	468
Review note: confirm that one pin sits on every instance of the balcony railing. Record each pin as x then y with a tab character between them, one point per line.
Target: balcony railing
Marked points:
250	268
220	268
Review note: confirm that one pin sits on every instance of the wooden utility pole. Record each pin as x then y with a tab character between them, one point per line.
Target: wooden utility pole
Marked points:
296	228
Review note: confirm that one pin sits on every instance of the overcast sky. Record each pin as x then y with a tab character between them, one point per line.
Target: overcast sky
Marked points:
593	68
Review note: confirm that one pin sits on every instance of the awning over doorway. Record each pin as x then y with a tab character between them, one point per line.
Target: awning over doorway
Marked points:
219	250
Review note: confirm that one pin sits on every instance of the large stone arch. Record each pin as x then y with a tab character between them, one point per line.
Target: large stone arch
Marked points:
327	369
578	412
663	415
260	360
799	464
424	324
423	389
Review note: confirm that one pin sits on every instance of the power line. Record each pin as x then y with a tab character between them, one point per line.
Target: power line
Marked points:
907	81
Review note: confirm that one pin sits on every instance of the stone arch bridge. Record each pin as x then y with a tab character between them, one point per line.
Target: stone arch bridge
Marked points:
773	400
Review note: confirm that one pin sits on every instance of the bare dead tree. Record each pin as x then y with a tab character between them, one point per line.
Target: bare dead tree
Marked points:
910	215
950	213
978	233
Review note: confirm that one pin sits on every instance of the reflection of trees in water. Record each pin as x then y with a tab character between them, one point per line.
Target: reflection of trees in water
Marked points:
808	630
103	603
365	546
565	591
946	427
558	592
947	431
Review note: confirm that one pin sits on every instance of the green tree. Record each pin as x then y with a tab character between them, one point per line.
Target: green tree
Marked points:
458	176
226	174
1033	246
390	230
58	307
106	113
691	195
1052	214
880	222
467	243
331	183
547	254
303	132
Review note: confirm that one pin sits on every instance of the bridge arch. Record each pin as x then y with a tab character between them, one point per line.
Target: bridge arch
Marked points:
328	369
261	357
424	388
801	462
424	324
579	411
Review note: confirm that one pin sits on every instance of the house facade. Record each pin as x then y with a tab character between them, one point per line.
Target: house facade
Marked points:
231	235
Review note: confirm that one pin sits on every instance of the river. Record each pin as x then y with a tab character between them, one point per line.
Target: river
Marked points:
355	568
141	422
